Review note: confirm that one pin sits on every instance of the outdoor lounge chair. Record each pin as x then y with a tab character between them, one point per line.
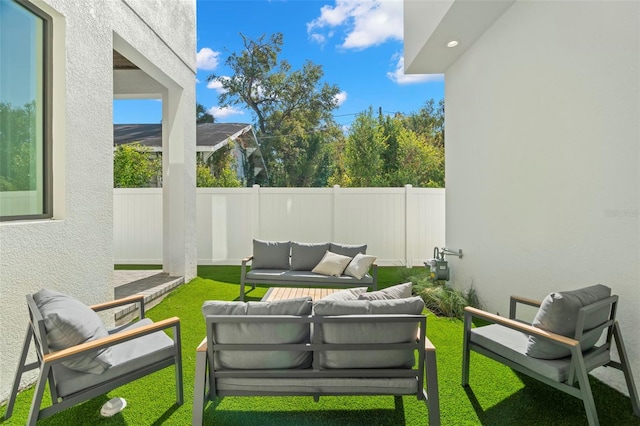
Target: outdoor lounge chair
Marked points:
561	346
81	359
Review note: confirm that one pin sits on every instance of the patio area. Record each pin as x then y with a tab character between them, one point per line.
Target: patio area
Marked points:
497	395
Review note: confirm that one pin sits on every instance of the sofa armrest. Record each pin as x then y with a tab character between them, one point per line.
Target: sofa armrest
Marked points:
525	301
374	274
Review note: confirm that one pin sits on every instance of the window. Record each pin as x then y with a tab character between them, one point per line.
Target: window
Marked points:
25	178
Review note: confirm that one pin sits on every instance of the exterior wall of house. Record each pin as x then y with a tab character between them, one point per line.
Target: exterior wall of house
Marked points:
543	158
73	252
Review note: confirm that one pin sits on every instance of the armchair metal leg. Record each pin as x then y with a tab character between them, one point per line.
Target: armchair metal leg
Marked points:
37	395
465	350
22	367
200	386
626	369
178	366
585	388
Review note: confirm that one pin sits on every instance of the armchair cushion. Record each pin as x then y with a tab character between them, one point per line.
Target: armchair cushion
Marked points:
305	256
271	254
558	314
127	357
68	323
266	333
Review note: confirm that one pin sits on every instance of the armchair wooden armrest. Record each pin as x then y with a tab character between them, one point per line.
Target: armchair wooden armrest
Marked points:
523	300
111	340
247	259
519	326
118	302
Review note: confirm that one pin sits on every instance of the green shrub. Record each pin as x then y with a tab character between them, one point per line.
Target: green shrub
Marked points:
442	299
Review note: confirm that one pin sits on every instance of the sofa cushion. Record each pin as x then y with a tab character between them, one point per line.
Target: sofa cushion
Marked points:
265	333
332	264
359	265
279	276
347	249
347	294
68	323
400	291
270	254
558	314
368	332
305	256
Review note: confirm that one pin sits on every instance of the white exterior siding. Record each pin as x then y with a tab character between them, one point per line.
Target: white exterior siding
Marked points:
543	157
73	253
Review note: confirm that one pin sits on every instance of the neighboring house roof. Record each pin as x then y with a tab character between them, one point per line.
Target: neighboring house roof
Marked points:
210	137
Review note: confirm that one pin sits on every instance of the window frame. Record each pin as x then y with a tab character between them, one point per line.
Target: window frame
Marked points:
47	130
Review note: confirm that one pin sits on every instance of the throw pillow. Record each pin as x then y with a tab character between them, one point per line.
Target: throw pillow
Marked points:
347	249
68	323
400	291
348	294
558	314
305	256
270	254
332	264
359	265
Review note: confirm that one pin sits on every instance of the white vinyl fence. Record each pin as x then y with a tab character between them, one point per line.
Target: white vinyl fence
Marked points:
401	226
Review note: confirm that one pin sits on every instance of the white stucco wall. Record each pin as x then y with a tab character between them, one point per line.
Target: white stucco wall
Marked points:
73	253
543	158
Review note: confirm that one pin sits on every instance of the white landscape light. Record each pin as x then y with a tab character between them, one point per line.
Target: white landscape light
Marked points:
452	43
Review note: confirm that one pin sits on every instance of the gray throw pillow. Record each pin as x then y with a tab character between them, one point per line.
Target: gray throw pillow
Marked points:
261	333
68	323
558	314
348	294
347	249
270	254
305	256
400	291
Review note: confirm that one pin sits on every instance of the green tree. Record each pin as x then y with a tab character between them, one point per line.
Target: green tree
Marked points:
289	105
218	169
422	164
18	147
363	153
202	116
135	166
428	122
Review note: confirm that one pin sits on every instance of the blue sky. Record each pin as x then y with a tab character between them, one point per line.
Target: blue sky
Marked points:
357	42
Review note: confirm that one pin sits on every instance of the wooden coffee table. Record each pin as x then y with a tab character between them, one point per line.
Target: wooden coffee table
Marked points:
281	293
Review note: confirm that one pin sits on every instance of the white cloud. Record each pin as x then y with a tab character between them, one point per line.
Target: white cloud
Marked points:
367	22
207	59
225	112
340	98
398	75
217	85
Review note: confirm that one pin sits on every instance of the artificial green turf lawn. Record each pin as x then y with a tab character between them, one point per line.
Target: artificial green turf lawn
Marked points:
497	395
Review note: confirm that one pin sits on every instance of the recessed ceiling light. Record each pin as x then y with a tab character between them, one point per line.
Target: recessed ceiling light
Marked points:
452	43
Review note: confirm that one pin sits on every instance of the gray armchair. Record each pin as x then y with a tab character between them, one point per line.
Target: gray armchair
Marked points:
81	359
564	342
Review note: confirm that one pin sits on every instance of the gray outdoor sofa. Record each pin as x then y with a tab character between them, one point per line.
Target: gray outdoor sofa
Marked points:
297	347
291	263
